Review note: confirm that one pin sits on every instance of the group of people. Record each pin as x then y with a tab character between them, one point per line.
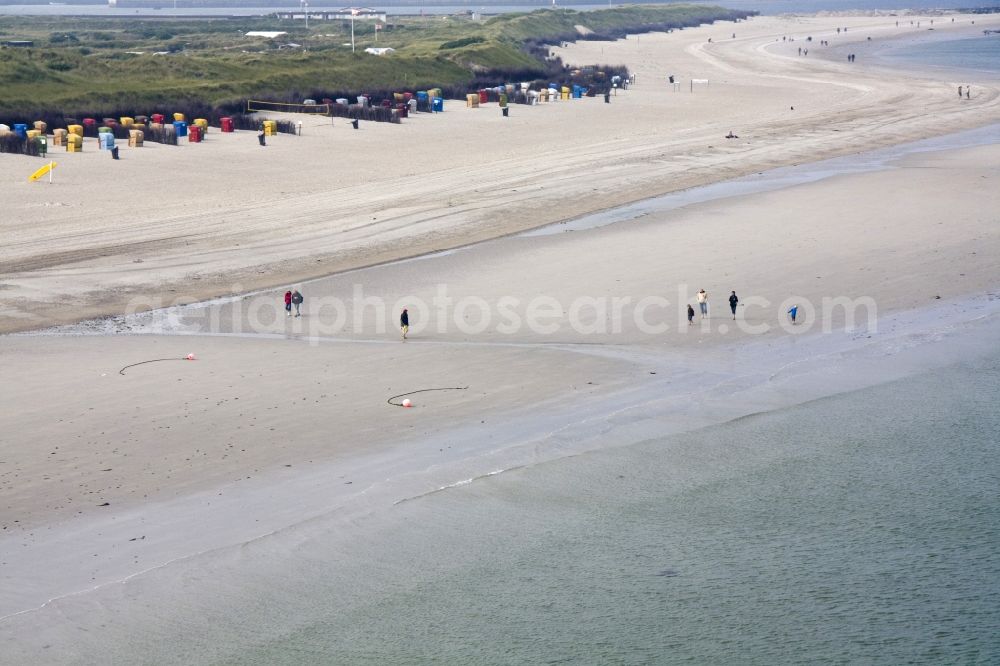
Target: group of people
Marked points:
293	298
702	297
734	301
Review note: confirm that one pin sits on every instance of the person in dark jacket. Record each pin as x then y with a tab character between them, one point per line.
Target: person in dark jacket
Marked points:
404	323
297	302
733	302
690	315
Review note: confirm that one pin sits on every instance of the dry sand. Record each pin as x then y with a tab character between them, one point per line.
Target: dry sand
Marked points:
224	216
166	444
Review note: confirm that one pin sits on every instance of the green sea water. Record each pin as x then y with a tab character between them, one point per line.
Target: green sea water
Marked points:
862	528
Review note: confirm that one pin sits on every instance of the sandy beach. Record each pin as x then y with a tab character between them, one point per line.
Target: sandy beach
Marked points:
226	216
545	341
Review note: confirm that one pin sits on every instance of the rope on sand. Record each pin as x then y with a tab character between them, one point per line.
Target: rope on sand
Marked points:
399	404
190	357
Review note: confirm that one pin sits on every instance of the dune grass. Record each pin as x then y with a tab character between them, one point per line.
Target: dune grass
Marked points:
96	65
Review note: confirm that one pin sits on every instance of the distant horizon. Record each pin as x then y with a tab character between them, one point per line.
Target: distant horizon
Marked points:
323	3
409	7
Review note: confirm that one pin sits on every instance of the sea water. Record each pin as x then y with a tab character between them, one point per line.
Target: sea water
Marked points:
861	528
972	56
858	528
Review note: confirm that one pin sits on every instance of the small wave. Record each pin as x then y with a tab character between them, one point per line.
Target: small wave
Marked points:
457	484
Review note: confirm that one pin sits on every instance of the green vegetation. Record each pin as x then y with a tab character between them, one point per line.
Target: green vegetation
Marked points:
103	65
458	43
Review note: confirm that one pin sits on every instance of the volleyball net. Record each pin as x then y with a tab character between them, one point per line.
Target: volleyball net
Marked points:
254	105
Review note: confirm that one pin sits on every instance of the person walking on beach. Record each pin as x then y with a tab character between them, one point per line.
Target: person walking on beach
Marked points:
960	92
404	323
260	137
703	303
297	302
288	304
733	302
793	312
690	315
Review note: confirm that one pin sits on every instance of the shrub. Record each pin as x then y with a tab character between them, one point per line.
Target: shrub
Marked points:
459	43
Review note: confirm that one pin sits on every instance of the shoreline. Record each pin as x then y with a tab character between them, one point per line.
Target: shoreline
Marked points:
276	502
98	278
112	484
301	424
157	320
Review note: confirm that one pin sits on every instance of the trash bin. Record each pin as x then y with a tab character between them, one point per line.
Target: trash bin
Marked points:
194	134
114	152
180	127
226	123
21	130
438	104
43	145
505	110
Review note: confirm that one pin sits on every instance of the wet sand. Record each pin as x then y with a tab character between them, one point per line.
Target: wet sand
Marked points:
227	216
281	419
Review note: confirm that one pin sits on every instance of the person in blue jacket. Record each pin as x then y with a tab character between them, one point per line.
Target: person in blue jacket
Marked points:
793	312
